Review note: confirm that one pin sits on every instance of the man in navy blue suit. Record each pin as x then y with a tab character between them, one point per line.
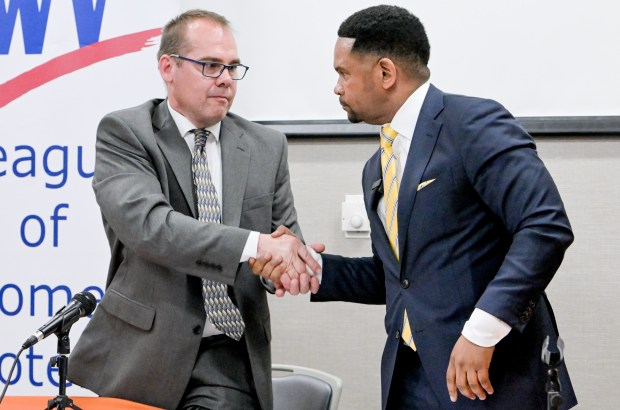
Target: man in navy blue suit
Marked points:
481	230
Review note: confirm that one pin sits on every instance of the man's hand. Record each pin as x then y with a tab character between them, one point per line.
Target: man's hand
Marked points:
286	276
469	370
294	255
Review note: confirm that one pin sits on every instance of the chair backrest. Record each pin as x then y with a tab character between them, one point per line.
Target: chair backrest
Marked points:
303	388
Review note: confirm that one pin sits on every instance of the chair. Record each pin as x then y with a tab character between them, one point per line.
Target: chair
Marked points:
302	388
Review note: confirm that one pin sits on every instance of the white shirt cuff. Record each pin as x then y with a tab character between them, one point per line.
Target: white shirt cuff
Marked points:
251	247
317	257
485	329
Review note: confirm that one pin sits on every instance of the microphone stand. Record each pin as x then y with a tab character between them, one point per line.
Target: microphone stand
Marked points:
553	360
62	401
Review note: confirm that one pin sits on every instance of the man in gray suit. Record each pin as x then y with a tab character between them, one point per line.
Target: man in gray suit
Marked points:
150	340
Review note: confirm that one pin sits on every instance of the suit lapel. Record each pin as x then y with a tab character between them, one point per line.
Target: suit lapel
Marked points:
422	146
373	192
176	152
373	186
235	168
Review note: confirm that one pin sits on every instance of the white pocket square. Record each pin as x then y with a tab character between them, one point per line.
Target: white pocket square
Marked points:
425	183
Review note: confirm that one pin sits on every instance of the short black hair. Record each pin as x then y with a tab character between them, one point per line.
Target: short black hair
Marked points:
389	31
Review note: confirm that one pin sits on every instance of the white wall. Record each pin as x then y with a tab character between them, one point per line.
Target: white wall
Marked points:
552	57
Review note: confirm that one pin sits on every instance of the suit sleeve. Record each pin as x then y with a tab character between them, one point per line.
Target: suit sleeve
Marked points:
128	189
501	162
283	212
356	280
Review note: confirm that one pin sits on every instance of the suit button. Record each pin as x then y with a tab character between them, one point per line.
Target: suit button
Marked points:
197	330
397	335
405	283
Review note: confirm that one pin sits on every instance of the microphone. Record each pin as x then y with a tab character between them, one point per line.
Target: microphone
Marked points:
377	185
82	304
552	355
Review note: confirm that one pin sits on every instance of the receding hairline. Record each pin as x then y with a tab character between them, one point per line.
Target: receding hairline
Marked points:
173	37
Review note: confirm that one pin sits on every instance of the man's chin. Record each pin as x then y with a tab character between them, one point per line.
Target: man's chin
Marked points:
353	118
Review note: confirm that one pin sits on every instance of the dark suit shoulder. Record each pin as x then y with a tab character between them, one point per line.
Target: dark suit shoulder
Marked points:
464	103
477	119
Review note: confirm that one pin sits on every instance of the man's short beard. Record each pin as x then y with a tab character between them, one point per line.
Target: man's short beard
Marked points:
353	118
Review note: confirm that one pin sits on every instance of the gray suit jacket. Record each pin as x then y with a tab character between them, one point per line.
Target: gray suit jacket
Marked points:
142	340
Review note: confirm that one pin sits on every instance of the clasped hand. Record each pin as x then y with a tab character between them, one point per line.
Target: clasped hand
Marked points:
286	261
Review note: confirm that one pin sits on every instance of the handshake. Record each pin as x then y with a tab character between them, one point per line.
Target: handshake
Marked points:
289	264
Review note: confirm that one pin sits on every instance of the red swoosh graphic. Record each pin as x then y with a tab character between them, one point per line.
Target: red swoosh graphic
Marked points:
73	61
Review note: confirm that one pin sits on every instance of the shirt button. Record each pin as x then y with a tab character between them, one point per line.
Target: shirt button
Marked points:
405	283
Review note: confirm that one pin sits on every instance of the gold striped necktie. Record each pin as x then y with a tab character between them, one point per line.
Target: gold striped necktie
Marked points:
390	186
390	198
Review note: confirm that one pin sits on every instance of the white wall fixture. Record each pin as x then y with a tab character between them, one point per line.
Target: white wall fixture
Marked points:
354	219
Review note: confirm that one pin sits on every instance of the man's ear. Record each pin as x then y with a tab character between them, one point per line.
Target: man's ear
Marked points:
388	72
165	67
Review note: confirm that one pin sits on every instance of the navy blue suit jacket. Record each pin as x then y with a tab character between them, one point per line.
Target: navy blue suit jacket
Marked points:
489	231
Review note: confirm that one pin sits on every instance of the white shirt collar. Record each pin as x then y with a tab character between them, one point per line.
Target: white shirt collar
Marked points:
406	117
184	125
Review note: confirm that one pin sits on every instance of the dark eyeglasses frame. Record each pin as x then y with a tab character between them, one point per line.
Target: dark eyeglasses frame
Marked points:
224	66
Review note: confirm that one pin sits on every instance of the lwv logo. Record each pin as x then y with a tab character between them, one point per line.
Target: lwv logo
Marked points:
88	17
33	15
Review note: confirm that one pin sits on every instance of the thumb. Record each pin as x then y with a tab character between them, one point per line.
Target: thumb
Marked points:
318	247
282	230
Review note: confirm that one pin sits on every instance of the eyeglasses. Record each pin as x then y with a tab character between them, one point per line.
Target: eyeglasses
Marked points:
214	70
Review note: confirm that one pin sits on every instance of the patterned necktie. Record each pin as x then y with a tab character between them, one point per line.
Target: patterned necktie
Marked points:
390	186
221	311
390	198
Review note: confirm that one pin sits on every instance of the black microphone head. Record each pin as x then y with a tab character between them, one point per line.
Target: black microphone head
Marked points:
88	302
